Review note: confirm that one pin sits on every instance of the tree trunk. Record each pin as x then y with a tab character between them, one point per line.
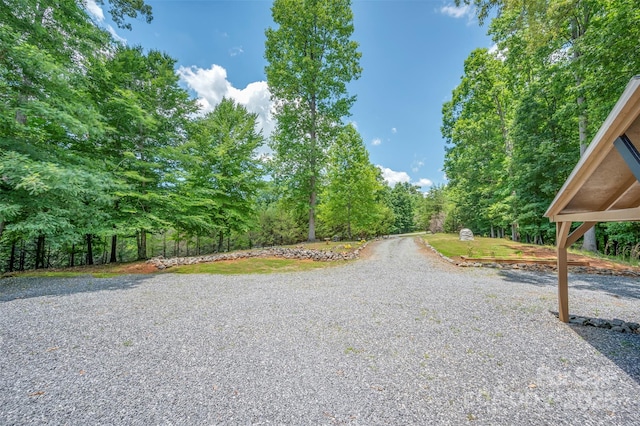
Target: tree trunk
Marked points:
89	249
589	239
164	244
142	244
12	257
578	30
312	211
114	249
349	219
220	241
589	242
229	242
312	186
40	255
23	256
103	256
72	258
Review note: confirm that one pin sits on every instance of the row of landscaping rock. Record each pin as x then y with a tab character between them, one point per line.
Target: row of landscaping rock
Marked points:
613	324
552	268
281	252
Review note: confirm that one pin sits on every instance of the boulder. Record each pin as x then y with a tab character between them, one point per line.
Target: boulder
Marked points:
466	234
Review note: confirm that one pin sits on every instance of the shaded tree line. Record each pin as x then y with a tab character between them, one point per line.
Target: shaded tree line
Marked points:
524	111
99	143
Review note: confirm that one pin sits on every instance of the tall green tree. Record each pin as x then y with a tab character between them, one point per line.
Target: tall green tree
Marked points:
546	151
479	148
276	226
146	114
59	203
220	172
311	58
349	200
405	199
431	209
46	119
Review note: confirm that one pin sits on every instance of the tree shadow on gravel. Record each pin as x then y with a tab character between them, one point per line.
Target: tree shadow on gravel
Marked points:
623	349
25	288
616	286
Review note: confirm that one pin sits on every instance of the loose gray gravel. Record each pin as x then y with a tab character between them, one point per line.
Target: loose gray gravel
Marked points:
398	338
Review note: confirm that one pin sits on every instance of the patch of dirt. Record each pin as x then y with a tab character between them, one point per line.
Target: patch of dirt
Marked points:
137	268
546	253
367	252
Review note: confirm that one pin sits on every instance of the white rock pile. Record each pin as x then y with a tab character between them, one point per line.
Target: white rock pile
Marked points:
161	262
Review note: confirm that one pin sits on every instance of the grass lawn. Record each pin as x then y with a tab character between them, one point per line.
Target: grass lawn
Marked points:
451	246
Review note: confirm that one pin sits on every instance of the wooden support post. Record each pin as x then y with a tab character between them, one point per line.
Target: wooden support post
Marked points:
563	285
562	232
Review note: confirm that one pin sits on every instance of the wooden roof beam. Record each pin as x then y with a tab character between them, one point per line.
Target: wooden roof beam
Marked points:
579	232
622	215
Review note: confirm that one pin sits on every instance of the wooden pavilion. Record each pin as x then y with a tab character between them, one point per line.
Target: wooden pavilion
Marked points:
603	187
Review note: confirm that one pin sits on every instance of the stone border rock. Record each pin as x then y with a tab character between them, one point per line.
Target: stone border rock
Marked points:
162	263
613	324
552	268
537	267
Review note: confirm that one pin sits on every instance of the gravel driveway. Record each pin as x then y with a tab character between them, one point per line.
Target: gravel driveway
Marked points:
400	337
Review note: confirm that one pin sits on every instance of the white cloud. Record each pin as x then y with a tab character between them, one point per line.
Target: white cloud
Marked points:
235	51
211	85
376	142
392	177
457	12
394	130
423	182
416	165
115	35
94	10
466	11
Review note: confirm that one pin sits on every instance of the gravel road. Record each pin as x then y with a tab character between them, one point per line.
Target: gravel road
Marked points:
400	337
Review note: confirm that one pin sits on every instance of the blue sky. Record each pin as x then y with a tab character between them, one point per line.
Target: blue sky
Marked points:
412	58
